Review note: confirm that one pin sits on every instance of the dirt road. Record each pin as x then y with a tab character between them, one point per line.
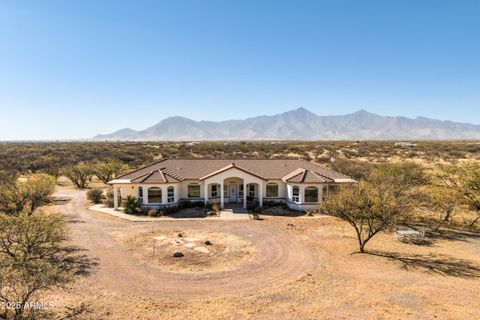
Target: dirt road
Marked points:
278	256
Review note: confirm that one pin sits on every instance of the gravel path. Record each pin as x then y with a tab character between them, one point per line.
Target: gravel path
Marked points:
279	256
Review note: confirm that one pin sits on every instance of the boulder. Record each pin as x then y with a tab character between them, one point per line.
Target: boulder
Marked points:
177	254
208	243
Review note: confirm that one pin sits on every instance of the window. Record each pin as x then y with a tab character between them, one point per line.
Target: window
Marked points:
170	195
240	193
214	192
295	194
194	190
272	190
251	190
154	195
140	194
311	194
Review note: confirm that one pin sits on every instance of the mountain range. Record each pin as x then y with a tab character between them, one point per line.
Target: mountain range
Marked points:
301	124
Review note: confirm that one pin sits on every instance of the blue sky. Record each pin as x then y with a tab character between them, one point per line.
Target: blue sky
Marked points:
72	69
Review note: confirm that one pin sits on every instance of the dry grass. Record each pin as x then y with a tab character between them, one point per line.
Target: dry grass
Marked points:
394	281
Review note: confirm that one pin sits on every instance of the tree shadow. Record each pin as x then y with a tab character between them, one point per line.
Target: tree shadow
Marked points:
438	264
450	233
77	260
60	200
453	235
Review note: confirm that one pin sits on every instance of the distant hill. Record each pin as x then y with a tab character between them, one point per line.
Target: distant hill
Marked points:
301	124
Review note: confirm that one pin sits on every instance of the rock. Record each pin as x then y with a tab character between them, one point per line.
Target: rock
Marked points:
290	225
177	254
202	249
180	235
208	243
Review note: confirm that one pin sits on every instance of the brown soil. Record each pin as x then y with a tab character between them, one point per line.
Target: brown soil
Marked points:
225	251
302	268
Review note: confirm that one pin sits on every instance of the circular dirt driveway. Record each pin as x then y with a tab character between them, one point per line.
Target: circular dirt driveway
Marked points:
278	255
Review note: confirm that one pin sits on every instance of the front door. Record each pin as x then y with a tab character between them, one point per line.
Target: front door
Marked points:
233	194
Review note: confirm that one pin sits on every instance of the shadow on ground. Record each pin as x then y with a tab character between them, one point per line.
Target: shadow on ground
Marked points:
450	233
438	264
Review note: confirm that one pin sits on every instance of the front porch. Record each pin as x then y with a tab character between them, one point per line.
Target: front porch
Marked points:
233	193
233	185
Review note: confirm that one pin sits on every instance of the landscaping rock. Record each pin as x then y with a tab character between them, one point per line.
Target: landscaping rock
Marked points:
290	225
177	254
202	249
180	235
208	243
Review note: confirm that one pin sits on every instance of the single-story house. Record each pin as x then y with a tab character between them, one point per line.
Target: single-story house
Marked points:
300	184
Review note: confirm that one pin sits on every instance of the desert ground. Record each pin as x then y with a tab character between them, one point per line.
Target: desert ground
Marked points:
276	268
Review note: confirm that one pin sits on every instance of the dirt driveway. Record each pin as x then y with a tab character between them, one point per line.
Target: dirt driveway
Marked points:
278	256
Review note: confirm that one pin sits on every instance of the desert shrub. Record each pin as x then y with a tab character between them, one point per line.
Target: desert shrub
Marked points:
208	206
216	207
132	205
251	205
197	204
95	195
170	210
183	204
109	198
152	212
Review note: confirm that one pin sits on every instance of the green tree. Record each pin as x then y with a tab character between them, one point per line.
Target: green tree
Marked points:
32	191
443	202
465	179
377	203
79	174
107	171
33	259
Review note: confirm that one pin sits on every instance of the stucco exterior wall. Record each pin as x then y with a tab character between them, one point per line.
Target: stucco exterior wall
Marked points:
234	175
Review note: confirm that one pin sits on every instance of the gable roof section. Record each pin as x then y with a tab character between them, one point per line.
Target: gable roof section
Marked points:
231	166
175	170
302	175
162	175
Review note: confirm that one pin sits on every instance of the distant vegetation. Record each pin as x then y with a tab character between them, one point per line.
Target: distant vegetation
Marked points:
54	157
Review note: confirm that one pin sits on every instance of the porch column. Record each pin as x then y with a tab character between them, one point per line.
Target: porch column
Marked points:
115	197
260	194
221	194
244	195
205	193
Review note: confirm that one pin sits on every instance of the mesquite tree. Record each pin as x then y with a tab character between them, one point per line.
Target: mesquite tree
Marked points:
377	203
